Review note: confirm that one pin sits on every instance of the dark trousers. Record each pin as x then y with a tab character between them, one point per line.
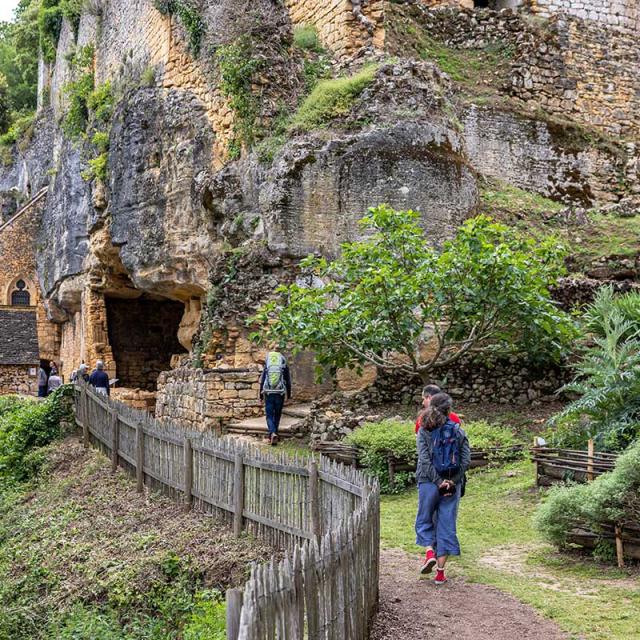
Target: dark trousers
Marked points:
273	403
42	391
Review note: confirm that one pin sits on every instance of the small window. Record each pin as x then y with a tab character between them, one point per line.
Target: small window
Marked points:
21	297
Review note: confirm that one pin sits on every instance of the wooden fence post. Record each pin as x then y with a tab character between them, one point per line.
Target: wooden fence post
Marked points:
314	499
392	470
535	462
234	599
590	452
115	440
619	547
188	474
139	458
84	402
238	494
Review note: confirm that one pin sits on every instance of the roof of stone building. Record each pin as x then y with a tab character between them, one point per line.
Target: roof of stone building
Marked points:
18	337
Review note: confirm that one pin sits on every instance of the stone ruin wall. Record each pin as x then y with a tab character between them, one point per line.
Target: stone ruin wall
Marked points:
15	379
622	14
339	28
584	71
207	399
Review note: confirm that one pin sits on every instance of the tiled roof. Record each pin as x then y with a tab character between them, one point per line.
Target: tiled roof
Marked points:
18	337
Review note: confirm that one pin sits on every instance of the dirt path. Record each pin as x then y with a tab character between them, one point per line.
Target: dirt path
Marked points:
415	609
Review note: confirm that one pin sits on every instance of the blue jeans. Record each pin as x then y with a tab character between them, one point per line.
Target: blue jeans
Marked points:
436	520
42	391
273	403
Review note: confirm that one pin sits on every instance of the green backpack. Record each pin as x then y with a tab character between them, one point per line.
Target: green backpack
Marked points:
274	376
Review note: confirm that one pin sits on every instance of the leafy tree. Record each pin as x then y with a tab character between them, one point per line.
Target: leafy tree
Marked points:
398	302
608	375
5	105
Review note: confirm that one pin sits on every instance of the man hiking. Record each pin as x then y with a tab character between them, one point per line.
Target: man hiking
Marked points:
275	383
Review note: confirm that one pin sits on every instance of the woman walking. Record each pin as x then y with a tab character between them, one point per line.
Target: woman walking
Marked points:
443	458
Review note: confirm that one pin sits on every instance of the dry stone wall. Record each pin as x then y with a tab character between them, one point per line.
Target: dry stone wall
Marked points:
584	71
343	26
17	379
622	14
207	399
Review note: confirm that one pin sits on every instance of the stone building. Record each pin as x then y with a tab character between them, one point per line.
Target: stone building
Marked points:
27	337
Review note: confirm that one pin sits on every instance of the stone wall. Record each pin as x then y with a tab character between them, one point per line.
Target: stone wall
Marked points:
622	14
585	71
17	379
547	158
207	399
343	26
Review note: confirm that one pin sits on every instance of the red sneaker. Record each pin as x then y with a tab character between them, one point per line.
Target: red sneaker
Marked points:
429	562
440	577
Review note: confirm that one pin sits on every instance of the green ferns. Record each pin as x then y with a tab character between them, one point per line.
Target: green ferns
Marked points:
608	376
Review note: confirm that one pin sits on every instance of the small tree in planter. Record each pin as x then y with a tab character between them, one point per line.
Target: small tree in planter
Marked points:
396	300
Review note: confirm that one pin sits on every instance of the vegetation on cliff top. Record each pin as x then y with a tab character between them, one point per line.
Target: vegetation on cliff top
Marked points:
397	302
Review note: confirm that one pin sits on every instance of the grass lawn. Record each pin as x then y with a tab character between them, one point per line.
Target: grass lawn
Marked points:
501	548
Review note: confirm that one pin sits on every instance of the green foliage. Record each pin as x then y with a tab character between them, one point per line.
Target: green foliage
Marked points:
608	376
19	48
238	67
485	435
50	24
71	10
78	92
188	16
5	105
331	99
25	426
208	620
500	195
486	291
610	498
98	167
376	441
83	622
306	37
101	102
19	132
148	78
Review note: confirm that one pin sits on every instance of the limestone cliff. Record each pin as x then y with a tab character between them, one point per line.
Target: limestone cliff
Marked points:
202	154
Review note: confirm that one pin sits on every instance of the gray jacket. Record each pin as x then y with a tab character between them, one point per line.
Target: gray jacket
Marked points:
426	472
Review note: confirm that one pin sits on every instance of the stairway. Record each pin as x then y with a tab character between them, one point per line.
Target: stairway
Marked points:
290	425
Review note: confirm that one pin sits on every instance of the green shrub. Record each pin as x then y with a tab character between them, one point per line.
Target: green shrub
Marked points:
101	102
148	77
376	440
20	131
208	620
25	426
611	498
98	167
84	622
306	37
79	92
71	10
483	435
101	141
331	99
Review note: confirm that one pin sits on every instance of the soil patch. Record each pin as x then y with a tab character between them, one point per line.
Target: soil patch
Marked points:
416	609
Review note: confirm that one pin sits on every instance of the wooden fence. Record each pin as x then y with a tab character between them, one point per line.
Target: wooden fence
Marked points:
562	465
325	515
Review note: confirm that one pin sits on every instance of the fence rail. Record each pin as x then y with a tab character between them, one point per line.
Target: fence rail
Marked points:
560	465
326	516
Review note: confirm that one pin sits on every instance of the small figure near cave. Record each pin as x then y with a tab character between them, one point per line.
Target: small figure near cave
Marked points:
275	384
55	381
99	379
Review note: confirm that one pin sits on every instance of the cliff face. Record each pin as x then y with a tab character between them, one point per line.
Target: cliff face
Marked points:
183	187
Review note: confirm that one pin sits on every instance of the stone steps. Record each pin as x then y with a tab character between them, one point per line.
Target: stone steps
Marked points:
290	425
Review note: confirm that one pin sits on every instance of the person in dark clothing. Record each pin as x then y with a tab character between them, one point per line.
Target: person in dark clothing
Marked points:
444	456
275	384
43	383
99	379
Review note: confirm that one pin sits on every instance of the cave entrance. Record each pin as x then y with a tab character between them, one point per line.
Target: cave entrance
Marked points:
143	334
